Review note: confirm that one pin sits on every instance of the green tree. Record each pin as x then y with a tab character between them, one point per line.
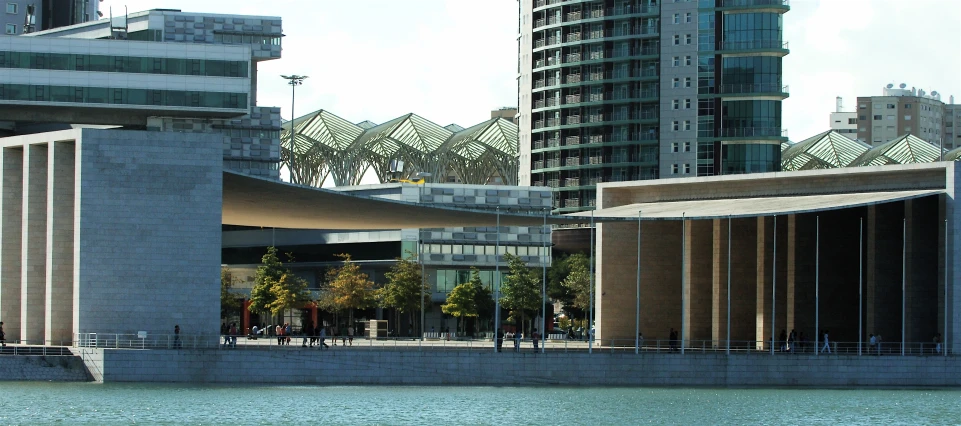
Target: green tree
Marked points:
289	291
405	290
557	273
462	299
230	303
348	288
268	273
484	300
578	282
521	290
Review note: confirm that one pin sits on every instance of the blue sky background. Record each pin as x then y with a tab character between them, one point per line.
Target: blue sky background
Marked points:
452	61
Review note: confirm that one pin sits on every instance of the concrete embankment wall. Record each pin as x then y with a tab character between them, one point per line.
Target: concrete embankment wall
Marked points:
43	368
364	367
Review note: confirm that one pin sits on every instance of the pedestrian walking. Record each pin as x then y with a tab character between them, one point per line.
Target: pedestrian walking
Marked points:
517	342
233	335
350	335
877	337
535	337
177	336
322	336
827	344
3	337
937	343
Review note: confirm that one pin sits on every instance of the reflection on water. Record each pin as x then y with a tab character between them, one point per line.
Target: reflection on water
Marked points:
91	403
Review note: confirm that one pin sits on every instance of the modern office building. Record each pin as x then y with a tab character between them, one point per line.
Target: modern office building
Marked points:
162	70
899	111
448	254
618	90
27	16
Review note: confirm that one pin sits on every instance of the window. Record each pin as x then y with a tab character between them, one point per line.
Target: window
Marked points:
687	17
907	129
687	169
687	39
687	104
677	39
677	18
908	106
907	118
676	125
11	29
674	147
687	81
675	104
677	82
862	106
878	117
687	147
674	169
890	106
677	61
891	118
687	60
852	121
687	124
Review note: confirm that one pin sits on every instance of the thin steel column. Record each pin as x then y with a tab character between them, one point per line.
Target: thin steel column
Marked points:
728	350
637	310
904	278
497	281
817	286
544	256
860	283
685	286
774	289
590	314
423	280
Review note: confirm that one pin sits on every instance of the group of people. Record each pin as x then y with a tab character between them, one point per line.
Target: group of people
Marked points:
230	334
517	337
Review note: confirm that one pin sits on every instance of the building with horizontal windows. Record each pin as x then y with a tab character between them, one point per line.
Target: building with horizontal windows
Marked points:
622	90
899	111
27	16
161	70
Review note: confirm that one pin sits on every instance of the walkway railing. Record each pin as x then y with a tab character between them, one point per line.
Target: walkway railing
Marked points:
36	348
439	341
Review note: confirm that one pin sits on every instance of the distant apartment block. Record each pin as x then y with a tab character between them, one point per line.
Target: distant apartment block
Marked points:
900	111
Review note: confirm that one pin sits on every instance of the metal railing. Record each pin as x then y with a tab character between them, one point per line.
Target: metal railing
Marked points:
763	347
744	3
26	347
753	88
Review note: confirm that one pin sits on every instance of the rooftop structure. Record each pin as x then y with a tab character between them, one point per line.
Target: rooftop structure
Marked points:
27	16
329	146
832	150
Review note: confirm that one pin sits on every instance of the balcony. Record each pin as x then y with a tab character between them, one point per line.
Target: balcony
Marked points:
745	3
754	132
572	140
572	161
746	89
738	45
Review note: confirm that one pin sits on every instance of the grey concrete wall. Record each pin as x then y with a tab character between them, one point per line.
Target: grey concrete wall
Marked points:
11	233
360	367
148	232
43	369
58	306
34	240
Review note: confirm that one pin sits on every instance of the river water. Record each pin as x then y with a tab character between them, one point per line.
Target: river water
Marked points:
92	403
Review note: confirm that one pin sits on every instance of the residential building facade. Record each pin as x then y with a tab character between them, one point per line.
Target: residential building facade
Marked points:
617	90
901	111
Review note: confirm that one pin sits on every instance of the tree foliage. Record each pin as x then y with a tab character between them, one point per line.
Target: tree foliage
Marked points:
230	303
578	281
405	289
521	290
276	288
347	288
462	299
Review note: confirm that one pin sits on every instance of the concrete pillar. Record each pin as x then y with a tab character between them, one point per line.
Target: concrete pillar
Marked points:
11	233
33	279
719	282
883	271
952	212
765	269
922	270
60	244
699	309
743	282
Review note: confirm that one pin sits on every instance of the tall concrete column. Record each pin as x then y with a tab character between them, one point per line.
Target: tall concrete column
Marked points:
790	267
60	243
700	269
11	233
882	290
719	258
922	270
952	212
766	268
34	260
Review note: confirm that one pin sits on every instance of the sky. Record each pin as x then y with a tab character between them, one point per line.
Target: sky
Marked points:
452	61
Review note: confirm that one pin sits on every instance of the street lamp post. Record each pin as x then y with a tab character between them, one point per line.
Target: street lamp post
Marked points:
293	80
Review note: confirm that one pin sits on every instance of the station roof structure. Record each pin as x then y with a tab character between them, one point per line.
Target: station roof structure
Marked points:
327	145
831	149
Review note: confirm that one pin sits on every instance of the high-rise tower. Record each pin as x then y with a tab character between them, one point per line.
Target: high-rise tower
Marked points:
615	90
